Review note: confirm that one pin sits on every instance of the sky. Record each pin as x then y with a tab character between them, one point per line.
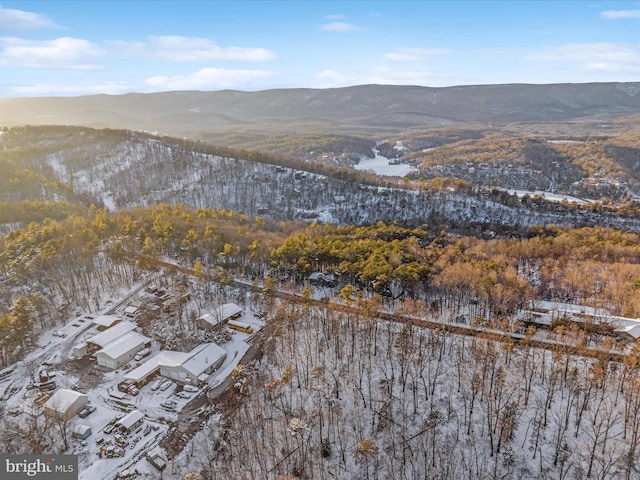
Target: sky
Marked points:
69	48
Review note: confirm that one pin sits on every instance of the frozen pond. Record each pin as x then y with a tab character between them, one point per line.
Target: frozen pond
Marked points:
381	166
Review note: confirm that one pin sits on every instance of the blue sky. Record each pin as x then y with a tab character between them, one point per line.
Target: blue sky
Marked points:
88	47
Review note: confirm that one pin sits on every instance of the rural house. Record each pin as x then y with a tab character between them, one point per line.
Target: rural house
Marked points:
226	312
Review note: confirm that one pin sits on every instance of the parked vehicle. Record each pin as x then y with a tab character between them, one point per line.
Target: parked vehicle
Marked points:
86	411
183	394
141	354
133	390
240	326
111	452
165	385
169	405
190	388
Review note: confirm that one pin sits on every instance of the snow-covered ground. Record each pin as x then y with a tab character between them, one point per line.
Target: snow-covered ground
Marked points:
383	166
553	197
55	352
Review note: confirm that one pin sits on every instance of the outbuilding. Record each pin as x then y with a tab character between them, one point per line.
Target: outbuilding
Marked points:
122	350
130	421
103	322
221	315
102	339
191	368
81	431
65	403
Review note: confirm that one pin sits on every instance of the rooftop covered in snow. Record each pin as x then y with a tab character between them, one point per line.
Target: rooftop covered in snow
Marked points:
102	339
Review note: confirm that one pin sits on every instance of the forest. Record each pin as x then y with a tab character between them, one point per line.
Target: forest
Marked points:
348	383
72	261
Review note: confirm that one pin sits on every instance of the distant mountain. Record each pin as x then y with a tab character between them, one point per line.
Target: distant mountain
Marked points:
365	106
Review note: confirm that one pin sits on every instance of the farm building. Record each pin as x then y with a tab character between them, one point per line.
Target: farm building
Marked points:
79	350
103	322
65	403
208	321
191	368
122	350
81	431
226	312
104	338
230	311
131	421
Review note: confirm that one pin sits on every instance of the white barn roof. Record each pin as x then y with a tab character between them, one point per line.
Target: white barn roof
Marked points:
123	344
195	362
64	399
164	358
202	357
103	339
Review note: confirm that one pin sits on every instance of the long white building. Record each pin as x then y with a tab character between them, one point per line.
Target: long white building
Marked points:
122	350
191	368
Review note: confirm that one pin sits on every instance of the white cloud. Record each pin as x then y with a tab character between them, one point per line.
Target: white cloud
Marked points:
594	57
208	78
415	54
46	89
342	27
331	79
192	49
19	21
619	14
62	53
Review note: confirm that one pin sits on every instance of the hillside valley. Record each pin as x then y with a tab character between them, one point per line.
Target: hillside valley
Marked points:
475	318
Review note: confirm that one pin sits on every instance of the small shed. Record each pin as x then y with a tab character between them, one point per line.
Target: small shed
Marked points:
221	315
82	432
79	350
103	322
157	460
131	311
131	421
208	321
230	311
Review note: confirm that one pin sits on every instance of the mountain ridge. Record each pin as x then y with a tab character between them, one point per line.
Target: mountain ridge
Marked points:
366	106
